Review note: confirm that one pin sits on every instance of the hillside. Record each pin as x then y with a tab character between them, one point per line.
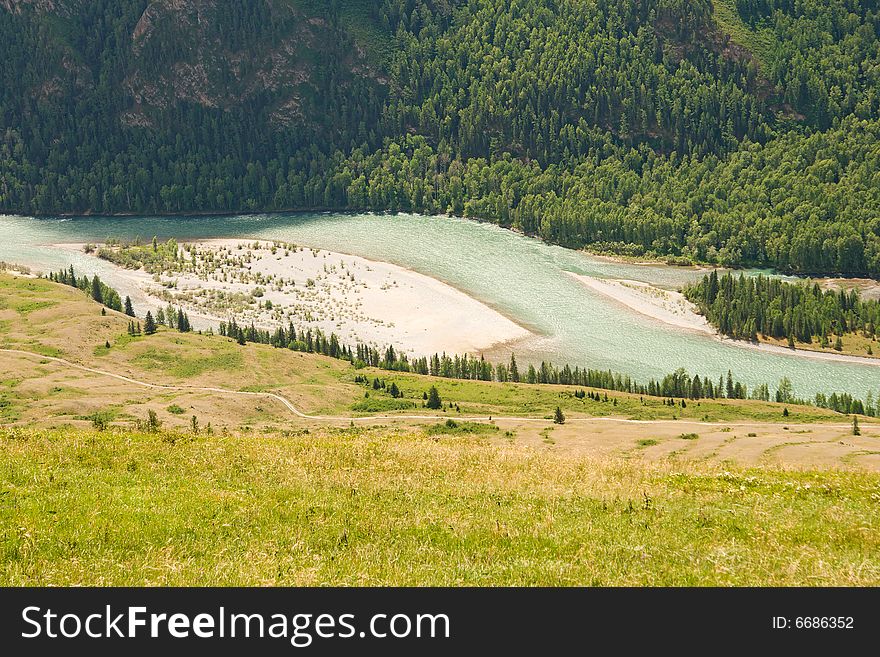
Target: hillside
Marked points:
60	373
734	133
180	458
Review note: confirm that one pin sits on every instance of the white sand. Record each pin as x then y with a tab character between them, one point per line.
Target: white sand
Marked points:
674	309
358	299
663	305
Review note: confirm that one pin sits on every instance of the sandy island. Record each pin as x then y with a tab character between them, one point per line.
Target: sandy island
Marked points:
272	283
673	309
663	305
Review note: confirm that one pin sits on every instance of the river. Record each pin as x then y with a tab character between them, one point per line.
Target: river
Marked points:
521	277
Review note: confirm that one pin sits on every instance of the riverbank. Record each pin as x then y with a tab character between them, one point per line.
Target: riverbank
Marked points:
665	306
673	309
271	283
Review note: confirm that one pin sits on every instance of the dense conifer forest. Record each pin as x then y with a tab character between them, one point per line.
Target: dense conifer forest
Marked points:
643	127
744	307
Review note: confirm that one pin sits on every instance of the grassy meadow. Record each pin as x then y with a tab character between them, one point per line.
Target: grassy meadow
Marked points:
257	496
54	320
400	507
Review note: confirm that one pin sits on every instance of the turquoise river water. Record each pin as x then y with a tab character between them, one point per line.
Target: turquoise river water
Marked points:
523	278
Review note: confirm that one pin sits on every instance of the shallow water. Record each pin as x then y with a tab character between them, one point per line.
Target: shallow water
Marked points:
521	277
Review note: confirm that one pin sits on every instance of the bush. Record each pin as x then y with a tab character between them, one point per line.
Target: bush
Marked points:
378	405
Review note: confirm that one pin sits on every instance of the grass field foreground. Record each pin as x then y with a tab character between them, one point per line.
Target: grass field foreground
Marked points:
391	506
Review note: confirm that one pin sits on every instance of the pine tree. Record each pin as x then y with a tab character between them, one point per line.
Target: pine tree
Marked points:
558	417
97	292
129	309
149	324
856	431
513	370
434	402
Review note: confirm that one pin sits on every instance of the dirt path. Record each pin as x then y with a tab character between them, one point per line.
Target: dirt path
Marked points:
330	418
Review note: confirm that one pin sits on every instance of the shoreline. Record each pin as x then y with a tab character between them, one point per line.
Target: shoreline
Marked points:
271	283
833	280
665	306
643	299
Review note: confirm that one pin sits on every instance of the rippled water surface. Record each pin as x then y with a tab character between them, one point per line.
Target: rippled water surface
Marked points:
520	277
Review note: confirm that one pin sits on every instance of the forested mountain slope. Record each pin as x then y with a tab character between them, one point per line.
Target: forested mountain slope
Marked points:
745	133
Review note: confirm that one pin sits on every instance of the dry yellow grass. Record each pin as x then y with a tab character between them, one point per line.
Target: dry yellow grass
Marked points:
392	507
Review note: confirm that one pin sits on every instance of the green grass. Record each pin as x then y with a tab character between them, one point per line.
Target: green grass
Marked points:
453	428
27	307
187	366
358	507
759	42
480	397
381	404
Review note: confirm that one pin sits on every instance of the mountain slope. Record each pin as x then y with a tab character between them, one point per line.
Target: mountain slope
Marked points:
599	124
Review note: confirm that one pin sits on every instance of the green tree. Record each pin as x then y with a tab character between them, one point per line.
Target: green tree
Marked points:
97	291
434	402
558	417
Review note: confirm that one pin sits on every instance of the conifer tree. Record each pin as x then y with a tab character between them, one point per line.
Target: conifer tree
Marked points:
129	309
97	292
149	324
434	402
558	417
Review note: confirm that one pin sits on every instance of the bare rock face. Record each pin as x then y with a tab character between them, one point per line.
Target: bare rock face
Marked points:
271	55
63	8
191	51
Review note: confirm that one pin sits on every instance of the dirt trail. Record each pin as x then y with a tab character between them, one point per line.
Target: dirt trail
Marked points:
331	418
